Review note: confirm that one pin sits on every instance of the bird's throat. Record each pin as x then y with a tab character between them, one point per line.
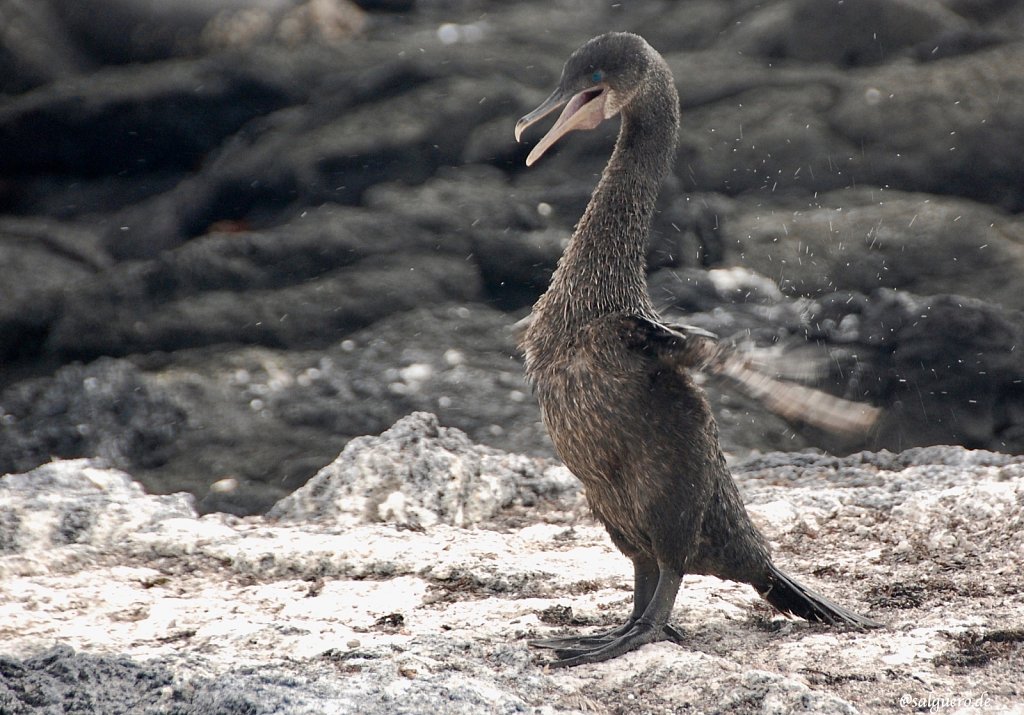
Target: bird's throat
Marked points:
603	268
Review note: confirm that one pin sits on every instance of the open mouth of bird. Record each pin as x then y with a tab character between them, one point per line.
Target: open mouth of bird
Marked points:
585	110
584	97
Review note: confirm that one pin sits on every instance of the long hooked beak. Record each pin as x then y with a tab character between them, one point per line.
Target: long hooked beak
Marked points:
584	111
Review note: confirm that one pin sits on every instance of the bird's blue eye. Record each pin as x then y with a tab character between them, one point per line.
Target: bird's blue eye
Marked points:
597	76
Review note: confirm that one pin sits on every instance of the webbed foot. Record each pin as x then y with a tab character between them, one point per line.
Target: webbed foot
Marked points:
641	633
576	650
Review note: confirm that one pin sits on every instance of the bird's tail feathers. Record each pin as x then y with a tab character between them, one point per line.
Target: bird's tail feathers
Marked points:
792	598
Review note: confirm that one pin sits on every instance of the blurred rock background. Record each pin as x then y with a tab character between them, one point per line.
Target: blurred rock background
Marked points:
235	234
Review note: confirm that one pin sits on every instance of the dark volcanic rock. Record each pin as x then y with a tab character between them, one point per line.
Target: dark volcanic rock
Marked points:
852	33
945	368
38	258
269	419
948	368
106	409
977	116
52	682
357	132
790	129
60	680
138	119
314	312
861	240
285	234
122	31
310	281
258	422
35	46
515	235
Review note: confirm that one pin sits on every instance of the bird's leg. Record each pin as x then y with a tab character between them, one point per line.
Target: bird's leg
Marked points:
648	628
645	580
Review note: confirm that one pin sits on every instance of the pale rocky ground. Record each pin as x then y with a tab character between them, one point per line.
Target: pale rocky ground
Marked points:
407	576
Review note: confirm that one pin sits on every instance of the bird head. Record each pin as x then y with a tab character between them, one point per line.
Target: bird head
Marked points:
598	81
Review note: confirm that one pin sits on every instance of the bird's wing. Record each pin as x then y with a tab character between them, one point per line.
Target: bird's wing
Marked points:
793	402
674	344
685	346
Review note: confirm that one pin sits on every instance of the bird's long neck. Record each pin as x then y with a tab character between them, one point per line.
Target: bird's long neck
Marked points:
603	267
